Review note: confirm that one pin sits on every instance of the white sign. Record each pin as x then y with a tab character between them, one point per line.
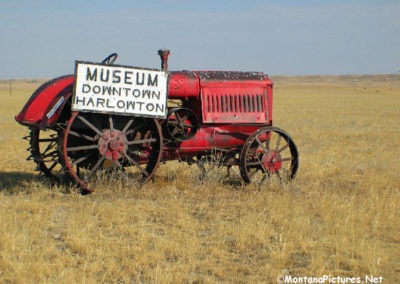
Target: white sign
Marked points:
120	90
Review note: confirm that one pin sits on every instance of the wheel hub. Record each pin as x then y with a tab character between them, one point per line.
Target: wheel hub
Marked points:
112	144
272	161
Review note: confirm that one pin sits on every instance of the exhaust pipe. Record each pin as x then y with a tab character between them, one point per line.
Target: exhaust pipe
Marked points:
164	53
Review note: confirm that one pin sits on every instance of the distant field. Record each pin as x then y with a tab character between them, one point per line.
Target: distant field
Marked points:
339	217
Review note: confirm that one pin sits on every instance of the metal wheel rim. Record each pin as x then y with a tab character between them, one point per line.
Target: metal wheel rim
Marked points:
269	155
87	165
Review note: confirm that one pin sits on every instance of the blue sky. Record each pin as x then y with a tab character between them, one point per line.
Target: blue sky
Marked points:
43	38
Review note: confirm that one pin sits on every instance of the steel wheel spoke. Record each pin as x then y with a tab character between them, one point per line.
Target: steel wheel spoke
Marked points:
50	146
81	159
90	125
178	117
52	166
254	163
80	148
283	148
150	140
110	121
252	173
184	118
129	123
173	122
279	176
175	131
265	150
139	154
48	159
263	167
264	177
132	161
136	128
278	142
119	165
95	167
50	154
79	135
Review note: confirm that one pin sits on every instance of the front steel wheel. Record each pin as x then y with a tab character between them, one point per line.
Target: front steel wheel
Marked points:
100	149
269	154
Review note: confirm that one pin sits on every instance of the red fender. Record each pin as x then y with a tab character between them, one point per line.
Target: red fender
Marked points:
45	105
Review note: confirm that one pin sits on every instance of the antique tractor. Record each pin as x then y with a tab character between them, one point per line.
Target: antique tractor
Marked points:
108	120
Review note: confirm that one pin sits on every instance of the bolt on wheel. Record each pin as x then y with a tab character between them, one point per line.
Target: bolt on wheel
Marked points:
269	154
99	149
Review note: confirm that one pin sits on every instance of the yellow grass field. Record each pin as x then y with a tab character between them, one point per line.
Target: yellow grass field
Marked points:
340	217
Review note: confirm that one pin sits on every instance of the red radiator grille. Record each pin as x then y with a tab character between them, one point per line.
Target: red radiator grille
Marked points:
238	103
234	108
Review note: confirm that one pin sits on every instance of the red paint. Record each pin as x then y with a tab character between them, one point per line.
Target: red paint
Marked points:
42	101
183	84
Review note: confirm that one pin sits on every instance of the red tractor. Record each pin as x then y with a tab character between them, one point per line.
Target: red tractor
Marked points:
108	120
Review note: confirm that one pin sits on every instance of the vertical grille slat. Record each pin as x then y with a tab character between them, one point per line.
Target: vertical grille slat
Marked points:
219	107
259	103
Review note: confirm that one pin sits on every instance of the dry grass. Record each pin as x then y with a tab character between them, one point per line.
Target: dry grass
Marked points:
339	217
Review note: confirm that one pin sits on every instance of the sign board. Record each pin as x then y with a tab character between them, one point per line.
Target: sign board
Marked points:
120	90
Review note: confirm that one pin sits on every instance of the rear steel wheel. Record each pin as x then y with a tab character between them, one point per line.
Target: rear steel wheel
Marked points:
269	154
98	148
45	147
44	152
